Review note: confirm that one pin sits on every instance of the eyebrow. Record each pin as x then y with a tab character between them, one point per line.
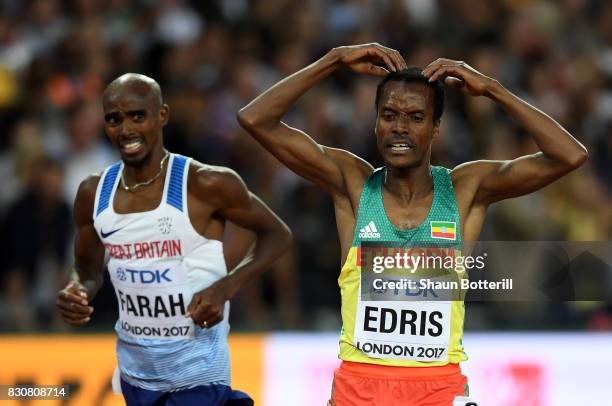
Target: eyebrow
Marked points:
129	113
421	111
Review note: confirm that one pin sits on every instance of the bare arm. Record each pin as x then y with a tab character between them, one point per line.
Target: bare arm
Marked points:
86	276
559	153
294	148
235	203
238	245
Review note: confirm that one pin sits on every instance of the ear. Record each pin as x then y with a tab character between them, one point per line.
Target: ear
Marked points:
377	121
164	114
436	129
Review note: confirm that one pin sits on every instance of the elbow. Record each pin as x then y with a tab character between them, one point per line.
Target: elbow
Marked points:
286	238
281	238
247	118
579	158
254	121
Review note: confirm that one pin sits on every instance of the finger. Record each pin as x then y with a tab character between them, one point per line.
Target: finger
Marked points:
211	313
403	63
76	288
454	82
376	70
450	69
198	313
431	67
381	54
76	322
214	321
72	297
400	63
74	308
70	317
440	62
195	302
435	65
445	70
397	58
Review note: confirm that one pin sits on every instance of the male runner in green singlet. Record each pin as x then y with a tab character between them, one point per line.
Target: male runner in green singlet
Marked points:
407	200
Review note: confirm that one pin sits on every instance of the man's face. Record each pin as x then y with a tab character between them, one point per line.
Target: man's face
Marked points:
133	121
404	124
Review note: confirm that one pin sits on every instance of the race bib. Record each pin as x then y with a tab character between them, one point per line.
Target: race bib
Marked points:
405	299
418	331
153	302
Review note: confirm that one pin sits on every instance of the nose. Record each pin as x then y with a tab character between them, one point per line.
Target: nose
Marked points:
125	128
401	123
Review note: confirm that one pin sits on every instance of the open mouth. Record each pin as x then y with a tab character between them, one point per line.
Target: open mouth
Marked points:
400	147
131	146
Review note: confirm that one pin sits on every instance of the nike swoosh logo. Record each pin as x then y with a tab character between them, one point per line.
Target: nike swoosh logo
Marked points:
106	235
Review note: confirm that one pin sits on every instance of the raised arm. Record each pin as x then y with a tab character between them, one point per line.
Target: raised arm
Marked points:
87	273
559	153
294	148
226	191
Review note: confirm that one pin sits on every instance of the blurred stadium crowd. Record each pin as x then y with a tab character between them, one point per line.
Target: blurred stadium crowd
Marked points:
212	57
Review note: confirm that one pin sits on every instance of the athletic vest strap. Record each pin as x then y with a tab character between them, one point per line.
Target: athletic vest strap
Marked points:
175	187
107	187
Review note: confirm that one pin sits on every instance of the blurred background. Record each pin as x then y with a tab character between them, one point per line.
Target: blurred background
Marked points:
213	57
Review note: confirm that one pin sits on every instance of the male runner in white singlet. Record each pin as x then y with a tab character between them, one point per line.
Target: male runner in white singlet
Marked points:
160	218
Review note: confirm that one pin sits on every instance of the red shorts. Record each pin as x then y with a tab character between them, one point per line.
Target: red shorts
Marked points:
359	384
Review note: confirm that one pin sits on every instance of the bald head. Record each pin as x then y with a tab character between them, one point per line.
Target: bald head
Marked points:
136	84
134	116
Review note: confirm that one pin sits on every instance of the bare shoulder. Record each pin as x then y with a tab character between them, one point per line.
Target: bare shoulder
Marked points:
212	176
88	186
85	199
214	183
467	179
473	171
355	170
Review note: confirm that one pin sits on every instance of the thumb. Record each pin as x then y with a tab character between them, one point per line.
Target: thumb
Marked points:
377	70
195	300
454	82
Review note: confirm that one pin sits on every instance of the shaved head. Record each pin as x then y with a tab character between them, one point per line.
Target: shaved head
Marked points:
135	83
134	116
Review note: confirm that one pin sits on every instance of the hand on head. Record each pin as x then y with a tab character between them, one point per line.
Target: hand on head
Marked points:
459	75
372	59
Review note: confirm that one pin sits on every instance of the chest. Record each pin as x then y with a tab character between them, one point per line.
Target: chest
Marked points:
138	200
406	215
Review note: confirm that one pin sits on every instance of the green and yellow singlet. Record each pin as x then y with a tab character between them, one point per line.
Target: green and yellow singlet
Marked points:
411	328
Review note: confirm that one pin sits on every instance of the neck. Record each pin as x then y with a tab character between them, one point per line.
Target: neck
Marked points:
146	169
409	183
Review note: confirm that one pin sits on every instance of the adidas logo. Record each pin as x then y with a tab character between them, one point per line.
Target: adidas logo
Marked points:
369	231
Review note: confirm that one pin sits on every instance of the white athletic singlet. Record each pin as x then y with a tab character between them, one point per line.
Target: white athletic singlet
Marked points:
157	261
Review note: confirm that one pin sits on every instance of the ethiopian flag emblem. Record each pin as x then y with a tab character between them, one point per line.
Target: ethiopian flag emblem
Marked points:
443	229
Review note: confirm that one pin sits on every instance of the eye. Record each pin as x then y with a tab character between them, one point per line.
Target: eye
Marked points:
417	118
112	120
138	117
388	116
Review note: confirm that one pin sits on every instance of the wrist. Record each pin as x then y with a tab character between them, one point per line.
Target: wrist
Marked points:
229	286
333	56
494	89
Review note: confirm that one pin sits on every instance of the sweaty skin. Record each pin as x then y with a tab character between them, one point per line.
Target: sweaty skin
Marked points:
134	119
405	115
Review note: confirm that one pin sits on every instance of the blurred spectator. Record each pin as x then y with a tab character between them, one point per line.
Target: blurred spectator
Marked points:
34	236
87	151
